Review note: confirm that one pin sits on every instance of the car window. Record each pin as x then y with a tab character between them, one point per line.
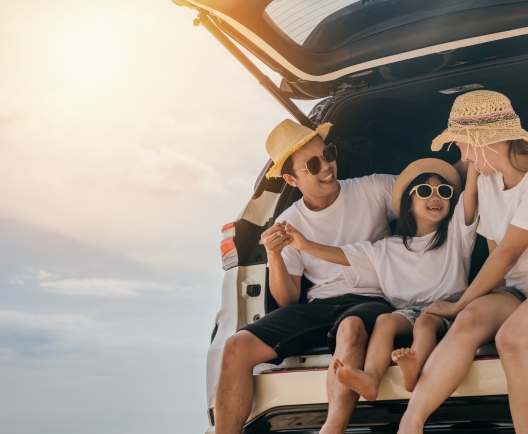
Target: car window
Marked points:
323	26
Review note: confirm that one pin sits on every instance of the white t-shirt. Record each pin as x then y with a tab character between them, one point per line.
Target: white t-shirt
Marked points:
362	211
413	278
498	209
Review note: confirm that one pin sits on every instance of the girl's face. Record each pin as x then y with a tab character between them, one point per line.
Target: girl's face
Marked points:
430	211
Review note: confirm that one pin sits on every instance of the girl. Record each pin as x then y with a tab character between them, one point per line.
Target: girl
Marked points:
489	135
428	259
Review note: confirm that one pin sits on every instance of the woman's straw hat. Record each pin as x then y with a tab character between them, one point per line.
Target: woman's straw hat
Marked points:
288	137
480	118
418	167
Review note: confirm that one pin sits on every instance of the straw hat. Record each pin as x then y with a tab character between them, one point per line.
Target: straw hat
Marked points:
288	137
418	167
480	118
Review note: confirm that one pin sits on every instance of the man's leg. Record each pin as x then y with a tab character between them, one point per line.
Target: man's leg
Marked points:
234	395
351	341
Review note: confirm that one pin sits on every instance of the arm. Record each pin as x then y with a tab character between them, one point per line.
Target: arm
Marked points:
462	169
285	287
492	245
326	253
500	261
470	195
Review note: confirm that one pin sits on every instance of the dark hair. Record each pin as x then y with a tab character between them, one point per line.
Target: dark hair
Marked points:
287	167
517	147
406	228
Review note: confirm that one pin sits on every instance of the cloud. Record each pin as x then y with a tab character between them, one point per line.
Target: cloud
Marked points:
107	288
33	321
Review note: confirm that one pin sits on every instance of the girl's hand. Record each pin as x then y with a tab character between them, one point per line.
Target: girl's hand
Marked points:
297	239
446	309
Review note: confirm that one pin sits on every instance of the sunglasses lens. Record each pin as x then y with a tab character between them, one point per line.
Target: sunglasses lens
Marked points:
313	165
330	153
444	192
424	191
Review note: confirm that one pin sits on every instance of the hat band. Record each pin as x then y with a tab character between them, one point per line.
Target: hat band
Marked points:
483	120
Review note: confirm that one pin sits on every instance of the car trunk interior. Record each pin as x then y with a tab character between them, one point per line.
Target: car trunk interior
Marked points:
382	130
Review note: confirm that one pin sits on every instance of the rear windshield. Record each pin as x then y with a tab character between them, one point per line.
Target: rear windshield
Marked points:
323	26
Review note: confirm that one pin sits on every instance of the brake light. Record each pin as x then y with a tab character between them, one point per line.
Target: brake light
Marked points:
228	247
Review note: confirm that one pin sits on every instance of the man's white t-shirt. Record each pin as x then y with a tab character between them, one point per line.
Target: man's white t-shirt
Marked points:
361	212
498	209
414	278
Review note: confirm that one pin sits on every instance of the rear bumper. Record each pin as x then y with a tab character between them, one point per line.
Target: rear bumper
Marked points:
297	400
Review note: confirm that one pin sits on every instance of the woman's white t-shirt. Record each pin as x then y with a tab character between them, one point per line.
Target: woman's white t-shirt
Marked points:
417	277
362	211
498	209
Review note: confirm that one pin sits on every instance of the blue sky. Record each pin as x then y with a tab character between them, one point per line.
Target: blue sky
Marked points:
128	137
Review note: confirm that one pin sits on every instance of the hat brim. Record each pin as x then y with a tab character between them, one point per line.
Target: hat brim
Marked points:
477	137
322	131
417	168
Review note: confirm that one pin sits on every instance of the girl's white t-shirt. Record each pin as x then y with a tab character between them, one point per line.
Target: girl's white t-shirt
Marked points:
498	209
417	277
362	211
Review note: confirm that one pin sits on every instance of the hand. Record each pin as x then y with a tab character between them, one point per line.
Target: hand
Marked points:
446	309
275	239
298	241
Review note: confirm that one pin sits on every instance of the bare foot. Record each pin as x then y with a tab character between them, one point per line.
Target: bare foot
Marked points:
336	364
359	381
408	363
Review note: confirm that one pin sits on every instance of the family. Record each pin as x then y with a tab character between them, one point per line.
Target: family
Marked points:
371	285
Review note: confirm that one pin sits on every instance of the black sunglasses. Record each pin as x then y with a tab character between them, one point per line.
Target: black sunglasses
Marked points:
313	165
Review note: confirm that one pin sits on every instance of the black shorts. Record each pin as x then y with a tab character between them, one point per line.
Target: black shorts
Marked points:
293	329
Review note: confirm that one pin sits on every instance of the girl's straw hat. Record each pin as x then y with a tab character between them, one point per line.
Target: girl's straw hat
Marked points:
418	167
288	137
480	118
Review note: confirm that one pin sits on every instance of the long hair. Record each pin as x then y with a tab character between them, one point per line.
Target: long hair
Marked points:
517	147
406	228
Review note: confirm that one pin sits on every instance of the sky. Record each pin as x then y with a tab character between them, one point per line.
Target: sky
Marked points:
128	137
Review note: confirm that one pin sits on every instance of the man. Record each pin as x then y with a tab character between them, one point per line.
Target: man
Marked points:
331	212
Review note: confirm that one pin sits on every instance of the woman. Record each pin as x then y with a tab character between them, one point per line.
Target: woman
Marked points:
489	135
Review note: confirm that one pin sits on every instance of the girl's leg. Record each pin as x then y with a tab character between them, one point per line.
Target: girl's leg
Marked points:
512	343
412	360
378	358
448	364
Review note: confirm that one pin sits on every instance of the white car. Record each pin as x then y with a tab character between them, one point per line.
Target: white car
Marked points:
390	71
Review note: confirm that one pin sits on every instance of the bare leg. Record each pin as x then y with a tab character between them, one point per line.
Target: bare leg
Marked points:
412	360
351	341
512	343
234	396
448	364
366	382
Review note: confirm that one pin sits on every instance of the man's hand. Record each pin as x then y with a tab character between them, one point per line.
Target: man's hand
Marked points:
275	239
297	239
443	308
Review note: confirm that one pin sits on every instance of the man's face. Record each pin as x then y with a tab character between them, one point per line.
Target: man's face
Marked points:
320	185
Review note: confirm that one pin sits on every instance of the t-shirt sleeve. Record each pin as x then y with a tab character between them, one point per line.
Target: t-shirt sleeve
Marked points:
293	260
484	227
385	184
520	218
465	234
361	273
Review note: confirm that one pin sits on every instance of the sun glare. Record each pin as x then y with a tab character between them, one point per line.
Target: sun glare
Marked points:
88	56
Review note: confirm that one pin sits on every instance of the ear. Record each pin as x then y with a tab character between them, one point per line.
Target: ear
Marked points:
290	179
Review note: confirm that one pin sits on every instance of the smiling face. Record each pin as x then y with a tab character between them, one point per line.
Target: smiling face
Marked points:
431	211
320	187
485	159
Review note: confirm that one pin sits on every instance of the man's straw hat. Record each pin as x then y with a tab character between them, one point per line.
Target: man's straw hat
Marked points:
481	118
288	137
425	165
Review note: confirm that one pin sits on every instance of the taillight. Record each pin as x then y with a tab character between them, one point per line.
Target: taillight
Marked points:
228	248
